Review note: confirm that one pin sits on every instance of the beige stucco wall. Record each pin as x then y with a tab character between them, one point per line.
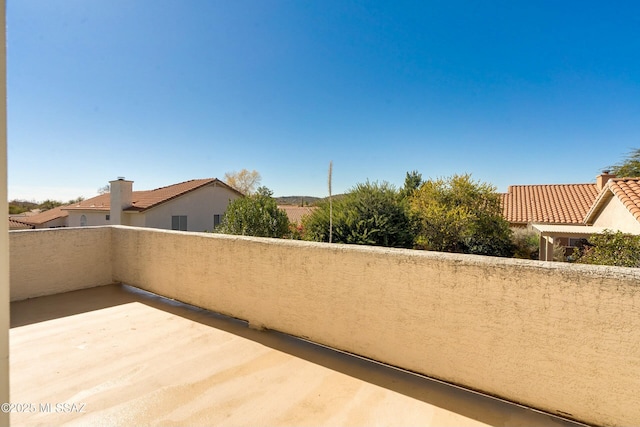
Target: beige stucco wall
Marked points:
562	338
617	217
199	205
94	218
558	337
45	262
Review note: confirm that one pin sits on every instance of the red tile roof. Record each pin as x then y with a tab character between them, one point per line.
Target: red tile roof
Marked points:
551	204
625	189
18	225
46	216
296	213
143	200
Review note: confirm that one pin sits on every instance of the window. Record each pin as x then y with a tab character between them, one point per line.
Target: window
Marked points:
107	217
216	220
179	222
83	221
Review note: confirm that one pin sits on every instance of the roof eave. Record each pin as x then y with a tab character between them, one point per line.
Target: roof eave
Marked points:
605	195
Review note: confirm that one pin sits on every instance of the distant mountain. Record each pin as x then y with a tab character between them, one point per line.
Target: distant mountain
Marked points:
308	200
297	200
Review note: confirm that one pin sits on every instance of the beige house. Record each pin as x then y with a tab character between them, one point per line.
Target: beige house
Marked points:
195	205
52	218
617	207
557	204
565	214
556	211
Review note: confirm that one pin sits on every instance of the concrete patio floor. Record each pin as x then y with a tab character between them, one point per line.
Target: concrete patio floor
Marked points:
127	358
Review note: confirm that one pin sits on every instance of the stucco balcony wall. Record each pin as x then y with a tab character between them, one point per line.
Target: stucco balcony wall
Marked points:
560	338
51	261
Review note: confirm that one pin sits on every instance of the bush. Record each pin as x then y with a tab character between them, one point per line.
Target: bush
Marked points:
458	214
611	248
526	243
256	215
369	214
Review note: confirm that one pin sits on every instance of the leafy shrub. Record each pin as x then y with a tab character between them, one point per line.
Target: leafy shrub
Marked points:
256	215
369	214
458	214
526	243
611	248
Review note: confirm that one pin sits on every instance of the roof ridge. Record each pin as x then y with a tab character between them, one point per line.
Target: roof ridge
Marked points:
551	185
628	178
183	182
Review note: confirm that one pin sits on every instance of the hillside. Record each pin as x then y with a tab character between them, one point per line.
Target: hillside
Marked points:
308	200
297	200
20	206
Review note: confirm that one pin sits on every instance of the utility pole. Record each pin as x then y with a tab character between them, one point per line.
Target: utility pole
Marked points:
330	204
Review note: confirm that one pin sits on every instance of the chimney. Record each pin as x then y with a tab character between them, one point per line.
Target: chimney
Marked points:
601	180
121	194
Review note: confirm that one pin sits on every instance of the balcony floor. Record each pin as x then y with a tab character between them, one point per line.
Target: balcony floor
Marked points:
133	358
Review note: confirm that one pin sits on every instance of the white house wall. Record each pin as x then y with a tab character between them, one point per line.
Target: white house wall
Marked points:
93	218
133	219
616	216
198	205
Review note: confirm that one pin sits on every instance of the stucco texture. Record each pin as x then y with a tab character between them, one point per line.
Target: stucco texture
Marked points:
45	262
562	338
616	216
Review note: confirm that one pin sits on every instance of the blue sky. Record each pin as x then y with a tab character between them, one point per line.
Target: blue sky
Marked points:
164	91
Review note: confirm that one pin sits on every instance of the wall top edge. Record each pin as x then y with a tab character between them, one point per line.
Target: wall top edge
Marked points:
59	229
408	254
404	254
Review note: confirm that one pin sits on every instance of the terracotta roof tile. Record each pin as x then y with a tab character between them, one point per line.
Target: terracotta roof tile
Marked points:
551	204
46	216
296	213
628	191
18	225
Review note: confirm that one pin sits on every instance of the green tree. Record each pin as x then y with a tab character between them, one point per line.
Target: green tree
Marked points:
368	214
255	215
611	248
458	214
630	167
49	204
412	181
14	209
73	201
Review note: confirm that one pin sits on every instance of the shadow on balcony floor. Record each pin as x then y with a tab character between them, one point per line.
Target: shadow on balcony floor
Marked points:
134	358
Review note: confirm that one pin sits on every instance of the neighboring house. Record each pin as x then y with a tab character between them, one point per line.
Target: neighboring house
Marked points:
296	213
556	211
617	207
52	218
196	205
564	204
